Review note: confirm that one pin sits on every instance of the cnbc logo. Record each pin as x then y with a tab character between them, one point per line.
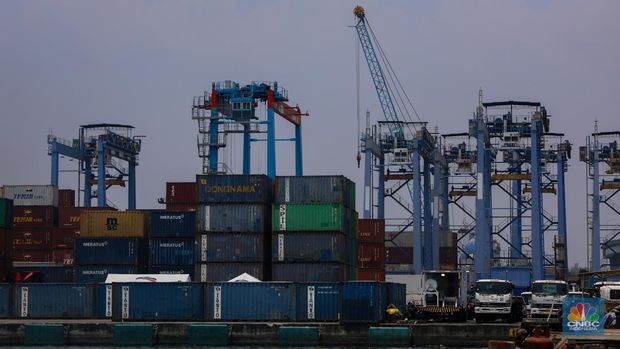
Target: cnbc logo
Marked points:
583	317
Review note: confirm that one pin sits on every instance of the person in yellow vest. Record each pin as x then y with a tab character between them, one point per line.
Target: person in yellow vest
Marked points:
393	314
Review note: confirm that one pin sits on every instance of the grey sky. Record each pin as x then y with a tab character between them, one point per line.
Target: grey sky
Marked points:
65	63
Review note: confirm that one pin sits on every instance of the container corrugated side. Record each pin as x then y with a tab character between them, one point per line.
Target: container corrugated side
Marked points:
397	295
161	301
233	189
98	273
370	274
34	216
315	189
217	272
309	247
371	230
310	272
239	218
32	256
171	224
398	255
66	198
32	195
5	301
69	217
310	217
171	251
250	301
519	276
113	251
318	301
363	302
6	213
112	224
181	193
171	269
6	266
230	247
31	239
370	255
54	301
43	272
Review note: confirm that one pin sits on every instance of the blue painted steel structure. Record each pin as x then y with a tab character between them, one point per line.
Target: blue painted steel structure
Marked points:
231	105
100	144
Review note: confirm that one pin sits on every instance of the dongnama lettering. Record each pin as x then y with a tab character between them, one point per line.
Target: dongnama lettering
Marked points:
230	189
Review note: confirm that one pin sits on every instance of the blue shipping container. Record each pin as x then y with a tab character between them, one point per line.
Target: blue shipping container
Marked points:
250	301
309	247
214	272
109	251
234	218
318	301
98	273
46	273
160	301
54	301
171	224
315	189
172	269
363	302
519	276
310	272
397	295
233	189
5	301
171	251
230	247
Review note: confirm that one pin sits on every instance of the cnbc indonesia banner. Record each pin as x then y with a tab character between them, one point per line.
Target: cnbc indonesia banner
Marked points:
583	316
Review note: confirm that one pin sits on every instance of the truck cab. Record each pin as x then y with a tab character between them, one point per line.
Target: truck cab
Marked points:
547	297
494	300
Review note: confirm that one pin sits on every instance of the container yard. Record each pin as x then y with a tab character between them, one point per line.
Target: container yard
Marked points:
452	222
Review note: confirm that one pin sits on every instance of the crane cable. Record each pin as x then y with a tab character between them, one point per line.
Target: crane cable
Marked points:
357	91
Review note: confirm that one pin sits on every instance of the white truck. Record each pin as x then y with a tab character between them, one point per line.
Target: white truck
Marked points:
494	300
546	303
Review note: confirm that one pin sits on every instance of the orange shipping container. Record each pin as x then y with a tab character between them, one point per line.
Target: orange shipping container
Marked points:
370	255
118	224
370	274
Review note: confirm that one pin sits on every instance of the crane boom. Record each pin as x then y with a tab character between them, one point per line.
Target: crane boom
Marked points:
376	73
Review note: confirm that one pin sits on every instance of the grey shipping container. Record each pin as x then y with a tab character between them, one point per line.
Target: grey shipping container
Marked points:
315	189
214	272
109	251
309	247
233	189
318	301
310	272
54	301
239	218
32	195
250	301
98	273
170	224
171	251
161	301
363	302
230	247
5	301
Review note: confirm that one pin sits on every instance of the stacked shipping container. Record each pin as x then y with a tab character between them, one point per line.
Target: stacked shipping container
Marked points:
371	249
6	223
110	242
233	221
314	229
171	241
181	196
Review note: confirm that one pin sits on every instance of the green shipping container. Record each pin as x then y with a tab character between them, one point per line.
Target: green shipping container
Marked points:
6	213
311	217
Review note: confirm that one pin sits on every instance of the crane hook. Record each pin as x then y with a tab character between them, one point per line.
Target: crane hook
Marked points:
359	158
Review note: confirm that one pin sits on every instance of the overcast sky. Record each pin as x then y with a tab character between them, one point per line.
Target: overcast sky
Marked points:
67	63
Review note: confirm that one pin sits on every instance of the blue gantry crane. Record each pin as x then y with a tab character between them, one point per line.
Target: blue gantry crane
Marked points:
403	152
100	149
231	108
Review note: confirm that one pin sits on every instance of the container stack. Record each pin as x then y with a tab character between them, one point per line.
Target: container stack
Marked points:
110	242
371	249
181	196
6	223
233	221
447	251
314	225
171	242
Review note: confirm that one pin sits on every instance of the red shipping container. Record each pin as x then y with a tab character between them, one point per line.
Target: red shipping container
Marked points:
447	258
34	216
66	198
69	217
64	238
6	268
371	230
31	239
370	255
181	207
63	256
5	247
181	193
37	256
370	274
398	255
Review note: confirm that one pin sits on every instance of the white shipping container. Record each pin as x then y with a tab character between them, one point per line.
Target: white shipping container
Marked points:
31	195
